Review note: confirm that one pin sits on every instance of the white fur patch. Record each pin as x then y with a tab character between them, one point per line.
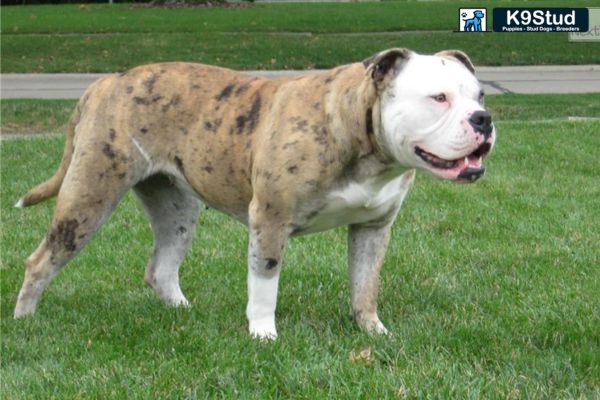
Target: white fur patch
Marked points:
262	300
360	202
142	151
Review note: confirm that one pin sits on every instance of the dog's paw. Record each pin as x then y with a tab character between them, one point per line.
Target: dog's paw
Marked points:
372	325
172	297
177	301
263	329
181	302
378	328
23	309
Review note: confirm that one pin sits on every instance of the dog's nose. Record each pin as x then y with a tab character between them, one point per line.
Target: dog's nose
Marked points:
481	121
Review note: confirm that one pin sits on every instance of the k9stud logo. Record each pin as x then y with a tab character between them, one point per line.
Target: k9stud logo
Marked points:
541	19
472	19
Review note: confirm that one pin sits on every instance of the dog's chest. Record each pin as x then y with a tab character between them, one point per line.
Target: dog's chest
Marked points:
374	199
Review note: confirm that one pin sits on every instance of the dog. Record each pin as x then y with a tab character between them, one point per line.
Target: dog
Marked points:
474	24
287	156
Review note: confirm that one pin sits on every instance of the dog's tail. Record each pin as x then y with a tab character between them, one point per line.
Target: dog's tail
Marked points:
50	187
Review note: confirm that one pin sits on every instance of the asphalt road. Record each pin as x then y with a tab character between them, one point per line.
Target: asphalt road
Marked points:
529	79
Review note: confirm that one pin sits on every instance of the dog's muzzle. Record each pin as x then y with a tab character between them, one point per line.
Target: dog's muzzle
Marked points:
469	167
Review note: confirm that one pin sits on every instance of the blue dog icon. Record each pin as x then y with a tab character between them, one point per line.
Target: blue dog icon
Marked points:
474	24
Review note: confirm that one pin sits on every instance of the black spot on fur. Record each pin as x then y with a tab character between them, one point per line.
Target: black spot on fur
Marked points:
301	125
369	119
180	230
179	164
240	122
150	82
329	80
213	126
320	135
175	100
249	121
266	174
243	88
108	151
129	89
144	130
271	263
112	134
208	169
142	101
292	169
313	214
63	235
225	93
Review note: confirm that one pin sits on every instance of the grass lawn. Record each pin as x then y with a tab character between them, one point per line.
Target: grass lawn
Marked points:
50	116
101	38
490	290
316	17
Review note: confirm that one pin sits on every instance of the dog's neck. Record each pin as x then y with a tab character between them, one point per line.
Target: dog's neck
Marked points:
357	113
353	108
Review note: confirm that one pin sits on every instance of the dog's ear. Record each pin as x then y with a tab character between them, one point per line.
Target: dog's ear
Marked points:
386	64
459	56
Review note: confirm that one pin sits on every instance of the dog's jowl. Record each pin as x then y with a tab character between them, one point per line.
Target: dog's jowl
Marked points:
284	156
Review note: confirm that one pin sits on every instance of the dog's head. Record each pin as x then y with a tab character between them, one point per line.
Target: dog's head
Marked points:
478	14
431	112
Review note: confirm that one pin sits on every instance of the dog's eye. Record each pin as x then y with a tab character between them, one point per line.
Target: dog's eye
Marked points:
440	98
481	97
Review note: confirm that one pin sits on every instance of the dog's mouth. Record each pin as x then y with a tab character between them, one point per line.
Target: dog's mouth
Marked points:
467	169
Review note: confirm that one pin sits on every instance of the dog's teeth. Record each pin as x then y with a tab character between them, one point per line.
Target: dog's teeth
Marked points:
467	160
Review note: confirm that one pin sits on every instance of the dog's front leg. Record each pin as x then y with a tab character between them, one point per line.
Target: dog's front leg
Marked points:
268	237
366	249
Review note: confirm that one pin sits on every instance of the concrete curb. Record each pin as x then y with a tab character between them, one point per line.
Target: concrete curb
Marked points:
513	79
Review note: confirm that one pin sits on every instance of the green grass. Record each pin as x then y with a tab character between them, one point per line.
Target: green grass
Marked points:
101	38
34	116
110	53
316	18
50	116
490	290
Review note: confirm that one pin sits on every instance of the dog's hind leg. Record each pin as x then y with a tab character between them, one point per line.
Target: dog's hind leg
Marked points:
173	213
93	185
